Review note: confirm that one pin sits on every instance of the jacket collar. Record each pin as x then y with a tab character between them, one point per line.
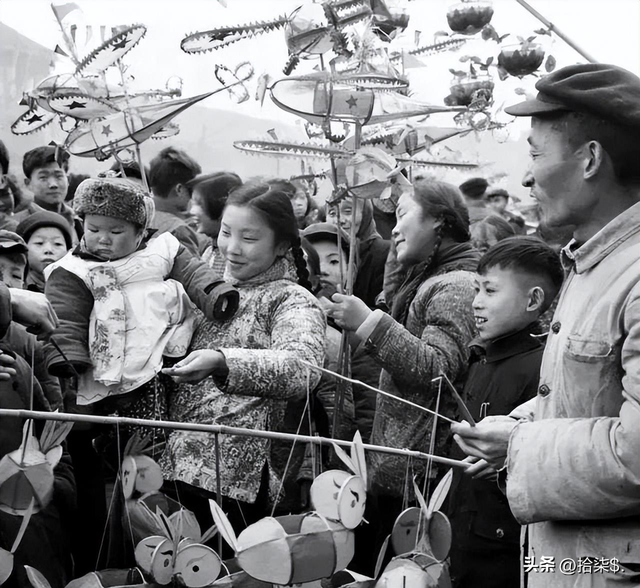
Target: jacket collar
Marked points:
604	242
504	347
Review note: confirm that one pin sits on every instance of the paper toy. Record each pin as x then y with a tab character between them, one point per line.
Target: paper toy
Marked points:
340	496
26	474
173	557
422	539
322	96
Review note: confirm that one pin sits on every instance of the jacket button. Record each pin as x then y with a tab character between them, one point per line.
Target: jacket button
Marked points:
555	327
499	533
544	390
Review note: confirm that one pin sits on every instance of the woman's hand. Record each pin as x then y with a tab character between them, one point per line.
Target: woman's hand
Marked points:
197	366
7	371
349	312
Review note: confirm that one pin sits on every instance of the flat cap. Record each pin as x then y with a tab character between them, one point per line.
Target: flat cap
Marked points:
11	240
606	91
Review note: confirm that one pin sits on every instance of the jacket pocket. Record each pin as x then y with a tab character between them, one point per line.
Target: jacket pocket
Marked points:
589	350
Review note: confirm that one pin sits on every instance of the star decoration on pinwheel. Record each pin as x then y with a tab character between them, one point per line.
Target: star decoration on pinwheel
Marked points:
106	130
34	119
352	101
75	105
119	45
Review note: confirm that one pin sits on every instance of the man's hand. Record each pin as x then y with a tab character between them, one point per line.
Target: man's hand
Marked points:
488	440
479	469
197	366
7	370
34	311
349	312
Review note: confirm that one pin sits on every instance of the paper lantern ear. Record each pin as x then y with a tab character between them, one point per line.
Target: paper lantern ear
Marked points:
36	578
6	565
53	456
381	555
186	522
358	458
224	526
53	434
440	493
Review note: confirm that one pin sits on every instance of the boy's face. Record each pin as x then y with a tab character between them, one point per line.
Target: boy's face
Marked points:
498	203
12	268
330	257
110	238
500	305
48	183
46	245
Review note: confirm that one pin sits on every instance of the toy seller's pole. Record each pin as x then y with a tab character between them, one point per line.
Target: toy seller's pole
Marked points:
546	22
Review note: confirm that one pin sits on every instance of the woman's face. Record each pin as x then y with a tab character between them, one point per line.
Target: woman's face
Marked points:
206	224
415	234
347	215
247	243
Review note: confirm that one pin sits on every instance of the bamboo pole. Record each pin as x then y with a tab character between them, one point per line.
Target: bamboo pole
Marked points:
556	30
219	429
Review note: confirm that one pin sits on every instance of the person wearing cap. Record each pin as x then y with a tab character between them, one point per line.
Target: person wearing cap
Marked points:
498	200
571	463
48	237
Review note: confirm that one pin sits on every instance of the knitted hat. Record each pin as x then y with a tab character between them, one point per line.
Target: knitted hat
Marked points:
474	188
45	218
114	197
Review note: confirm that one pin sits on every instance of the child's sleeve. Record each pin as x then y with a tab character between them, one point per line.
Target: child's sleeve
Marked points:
197	278
73	303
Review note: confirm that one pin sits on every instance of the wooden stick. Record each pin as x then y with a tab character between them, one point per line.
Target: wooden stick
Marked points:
377	390
556	30
221	429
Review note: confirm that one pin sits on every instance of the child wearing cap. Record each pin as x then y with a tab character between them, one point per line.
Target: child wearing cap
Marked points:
516	281
124	301
48	237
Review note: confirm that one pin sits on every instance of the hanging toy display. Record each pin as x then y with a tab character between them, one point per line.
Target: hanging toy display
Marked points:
469	16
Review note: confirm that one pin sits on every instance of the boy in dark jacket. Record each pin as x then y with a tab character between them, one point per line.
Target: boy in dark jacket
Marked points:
517	280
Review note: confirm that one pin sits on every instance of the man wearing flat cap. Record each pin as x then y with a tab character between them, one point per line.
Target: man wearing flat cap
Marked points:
572	467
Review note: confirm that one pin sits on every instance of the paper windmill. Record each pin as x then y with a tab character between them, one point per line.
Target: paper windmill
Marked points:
26	474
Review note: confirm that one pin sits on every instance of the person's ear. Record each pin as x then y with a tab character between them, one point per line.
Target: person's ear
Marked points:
594	159
536	298
27	181
281	249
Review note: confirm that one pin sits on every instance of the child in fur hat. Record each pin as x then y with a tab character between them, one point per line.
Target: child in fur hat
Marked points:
123	301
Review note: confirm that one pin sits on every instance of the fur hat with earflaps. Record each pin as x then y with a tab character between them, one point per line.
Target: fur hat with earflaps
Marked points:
114	197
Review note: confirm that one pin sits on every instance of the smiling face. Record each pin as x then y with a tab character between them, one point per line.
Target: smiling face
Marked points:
347	215
556	176
48	183
110	238
46	245
500	305
247	243
415	234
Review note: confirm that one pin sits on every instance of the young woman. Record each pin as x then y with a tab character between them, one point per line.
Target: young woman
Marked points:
426	335
372	248
246	369
209	193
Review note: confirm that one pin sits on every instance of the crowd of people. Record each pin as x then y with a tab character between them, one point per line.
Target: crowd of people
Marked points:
197	300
